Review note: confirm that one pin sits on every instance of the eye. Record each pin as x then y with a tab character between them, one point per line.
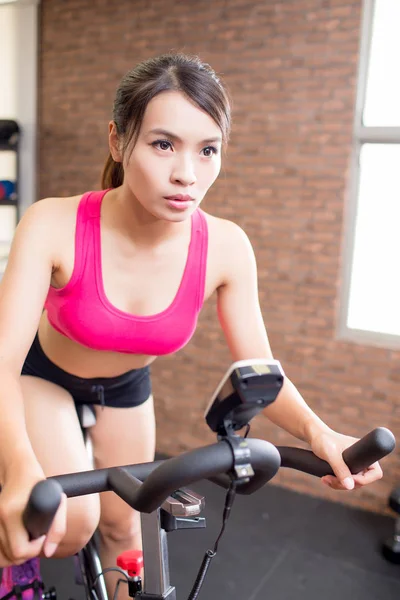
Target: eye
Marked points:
210	151
162	145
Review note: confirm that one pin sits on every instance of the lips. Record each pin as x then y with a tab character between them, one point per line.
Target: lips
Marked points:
180	198
180	202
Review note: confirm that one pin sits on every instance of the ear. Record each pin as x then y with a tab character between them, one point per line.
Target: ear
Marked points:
114	142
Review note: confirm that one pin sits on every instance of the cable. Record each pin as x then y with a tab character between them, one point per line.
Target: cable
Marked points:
209	555
248	427
117	586
107	570
230	497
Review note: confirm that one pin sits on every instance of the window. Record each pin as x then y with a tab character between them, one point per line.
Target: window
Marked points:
371	290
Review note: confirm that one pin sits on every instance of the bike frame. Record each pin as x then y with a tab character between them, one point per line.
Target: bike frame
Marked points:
155	491
157	584
88	567
155	556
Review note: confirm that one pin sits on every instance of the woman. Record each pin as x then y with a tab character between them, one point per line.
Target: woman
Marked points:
122	275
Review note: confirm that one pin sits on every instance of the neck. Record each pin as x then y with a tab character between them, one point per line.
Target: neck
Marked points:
125	213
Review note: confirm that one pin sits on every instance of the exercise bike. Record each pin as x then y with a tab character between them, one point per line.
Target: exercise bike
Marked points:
159	491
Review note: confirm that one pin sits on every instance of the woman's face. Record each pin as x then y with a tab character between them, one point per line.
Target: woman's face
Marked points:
176	159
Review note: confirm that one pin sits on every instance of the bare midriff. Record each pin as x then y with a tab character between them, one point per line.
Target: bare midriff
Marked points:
85	362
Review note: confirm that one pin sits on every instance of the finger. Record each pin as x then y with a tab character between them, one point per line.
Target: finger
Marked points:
16	546
4	553
57	529
328	479
374	473
21	549
4	560
34	548
15	541
333	483
360	480
342	472
36	545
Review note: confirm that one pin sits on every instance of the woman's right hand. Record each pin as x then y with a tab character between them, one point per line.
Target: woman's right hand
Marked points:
15	547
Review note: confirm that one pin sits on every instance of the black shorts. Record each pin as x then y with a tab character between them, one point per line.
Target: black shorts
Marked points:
124	391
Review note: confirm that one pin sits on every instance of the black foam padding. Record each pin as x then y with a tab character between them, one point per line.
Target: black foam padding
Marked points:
42	506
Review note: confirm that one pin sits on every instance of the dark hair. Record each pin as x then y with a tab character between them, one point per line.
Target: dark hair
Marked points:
197	80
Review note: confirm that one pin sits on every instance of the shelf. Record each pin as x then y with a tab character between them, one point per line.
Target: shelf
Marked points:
8	202
8	147
10	142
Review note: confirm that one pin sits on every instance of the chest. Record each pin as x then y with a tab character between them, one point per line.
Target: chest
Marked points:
141	282
137	281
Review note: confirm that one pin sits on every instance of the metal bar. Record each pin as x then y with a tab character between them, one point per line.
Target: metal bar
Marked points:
155	556
377	135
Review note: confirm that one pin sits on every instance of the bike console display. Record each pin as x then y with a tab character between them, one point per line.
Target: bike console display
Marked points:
247	387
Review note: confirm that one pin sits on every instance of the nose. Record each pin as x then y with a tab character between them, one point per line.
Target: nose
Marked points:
183	171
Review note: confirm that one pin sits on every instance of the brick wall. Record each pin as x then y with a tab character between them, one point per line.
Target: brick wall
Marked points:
291	68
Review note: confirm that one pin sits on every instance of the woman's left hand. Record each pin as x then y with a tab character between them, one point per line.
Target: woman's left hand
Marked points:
329	445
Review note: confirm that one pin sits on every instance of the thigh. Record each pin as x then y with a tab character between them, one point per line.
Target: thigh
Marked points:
122	436
57	441
52	424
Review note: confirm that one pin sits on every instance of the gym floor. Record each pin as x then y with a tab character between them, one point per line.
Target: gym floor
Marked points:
278	545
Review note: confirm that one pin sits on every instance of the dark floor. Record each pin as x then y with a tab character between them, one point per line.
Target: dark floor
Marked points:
279	545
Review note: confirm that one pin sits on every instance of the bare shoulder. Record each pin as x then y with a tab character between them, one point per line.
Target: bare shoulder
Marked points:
54	219
227	235
55	215
229	249
54	208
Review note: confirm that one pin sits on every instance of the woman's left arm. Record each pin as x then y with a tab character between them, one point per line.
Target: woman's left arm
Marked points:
244	330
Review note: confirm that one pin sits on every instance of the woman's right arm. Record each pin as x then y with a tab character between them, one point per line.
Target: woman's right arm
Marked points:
23	291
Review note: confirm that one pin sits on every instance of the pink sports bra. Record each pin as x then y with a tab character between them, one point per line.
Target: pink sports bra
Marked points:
81	311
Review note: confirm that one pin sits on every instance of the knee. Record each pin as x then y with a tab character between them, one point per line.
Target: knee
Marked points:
121	530
82	521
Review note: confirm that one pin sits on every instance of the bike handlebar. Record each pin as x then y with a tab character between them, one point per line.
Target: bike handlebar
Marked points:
146	486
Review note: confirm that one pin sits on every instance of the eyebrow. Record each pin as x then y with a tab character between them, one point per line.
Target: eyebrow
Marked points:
178	139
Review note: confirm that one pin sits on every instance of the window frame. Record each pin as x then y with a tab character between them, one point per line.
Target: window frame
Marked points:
361	135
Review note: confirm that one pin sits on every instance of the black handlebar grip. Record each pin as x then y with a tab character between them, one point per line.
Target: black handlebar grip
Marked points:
42	506
372	447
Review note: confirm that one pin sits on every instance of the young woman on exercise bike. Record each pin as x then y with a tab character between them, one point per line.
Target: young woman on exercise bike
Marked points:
122	275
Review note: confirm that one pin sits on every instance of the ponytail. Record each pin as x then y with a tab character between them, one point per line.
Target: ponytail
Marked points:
113	174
